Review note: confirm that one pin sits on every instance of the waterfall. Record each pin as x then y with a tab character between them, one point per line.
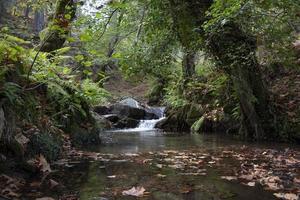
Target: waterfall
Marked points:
147	125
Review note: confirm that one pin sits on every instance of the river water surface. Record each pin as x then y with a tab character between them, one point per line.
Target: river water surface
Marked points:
173	166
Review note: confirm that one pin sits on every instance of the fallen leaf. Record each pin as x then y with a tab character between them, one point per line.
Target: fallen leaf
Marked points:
135	191
251	184
161	175
229	178
53	183
287	196
159	165
44	166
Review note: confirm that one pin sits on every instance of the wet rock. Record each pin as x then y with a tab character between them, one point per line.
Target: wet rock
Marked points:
101	122
157	111
101	110
126	123
112	118
127	111
130	102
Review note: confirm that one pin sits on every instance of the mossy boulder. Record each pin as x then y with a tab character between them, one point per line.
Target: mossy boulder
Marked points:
85	135
194	113
46	144
196	127
175	120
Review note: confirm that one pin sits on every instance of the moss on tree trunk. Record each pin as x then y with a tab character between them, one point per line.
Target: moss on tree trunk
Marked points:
59	27
235	52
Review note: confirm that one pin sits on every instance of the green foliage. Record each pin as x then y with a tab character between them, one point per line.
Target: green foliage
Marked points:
63	88
94	94
173	94
274	23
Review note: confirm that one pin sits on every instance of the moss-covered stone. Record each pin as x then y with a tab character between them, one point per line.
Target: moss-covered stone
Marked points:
45	144
196	127
84	136
194	113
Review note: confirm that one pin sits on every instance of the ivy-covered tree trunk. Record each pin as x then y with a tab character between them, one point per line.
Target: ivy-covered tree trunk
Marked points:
59	27
184	23
235	52
188	64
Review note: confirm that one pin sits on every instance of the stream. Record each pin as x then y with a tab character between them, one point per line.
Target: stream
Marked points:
173	166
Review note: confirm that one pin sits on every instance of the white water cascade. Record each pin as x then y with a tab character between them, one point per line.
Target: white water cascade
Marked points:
147	125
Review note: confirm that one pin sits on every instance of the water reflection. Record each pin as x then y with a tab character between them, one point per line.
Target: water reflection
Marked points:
107	179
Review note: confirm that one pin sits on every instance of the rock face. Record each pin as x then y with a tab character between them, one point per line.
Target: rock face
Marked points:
127	113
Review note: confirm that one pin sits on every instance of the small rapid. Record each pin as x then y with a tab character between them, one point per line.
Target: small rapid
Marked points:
147	125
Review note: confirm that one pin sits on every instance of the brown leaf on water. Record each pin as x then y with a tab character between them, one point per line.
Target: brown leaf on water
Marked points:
229	178
135	191
287	196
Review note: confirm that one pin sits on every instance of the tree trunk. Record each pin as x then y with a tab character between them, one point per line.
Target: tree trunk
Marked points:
39	20
188	64
59	27
235	52
27	11
3	11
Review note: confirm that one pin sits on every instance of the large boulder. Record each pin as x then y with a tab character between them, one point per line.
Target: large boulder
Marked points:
113	118
131	112
127	111
126	123
101	110
130	102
